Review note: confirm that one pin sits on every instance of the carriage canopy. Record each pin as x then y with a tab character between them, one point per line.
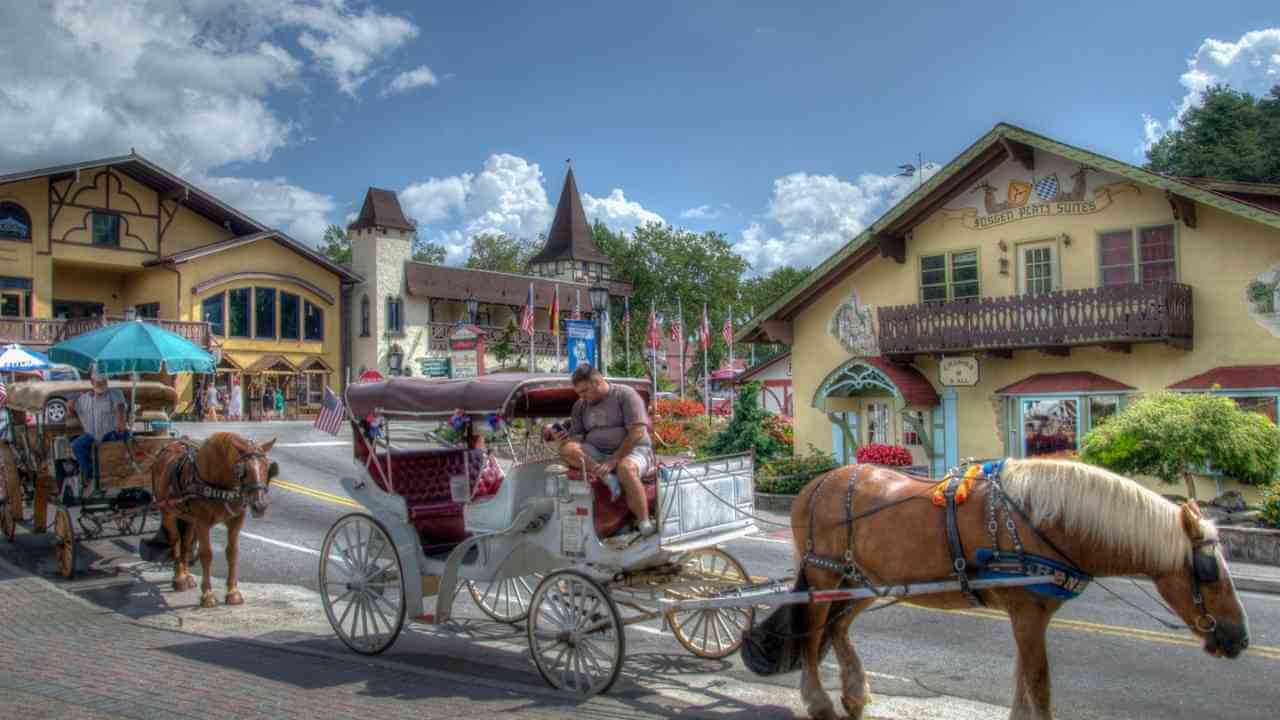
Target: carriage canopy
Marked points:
512	395
32	396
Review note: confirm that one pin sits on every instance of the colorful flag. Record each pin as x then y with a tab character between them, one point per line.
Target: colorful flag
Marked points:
526	317
654	339
4	396
677	330
331	413
555	312
705	329
726	332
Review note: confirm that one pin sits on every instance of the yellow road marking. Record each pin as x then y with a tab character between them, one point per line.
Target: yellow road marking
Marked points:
318	494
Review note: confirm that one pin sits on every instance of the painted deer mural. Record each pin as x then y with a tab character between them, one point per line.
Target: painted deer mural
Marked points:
989	198
1079	185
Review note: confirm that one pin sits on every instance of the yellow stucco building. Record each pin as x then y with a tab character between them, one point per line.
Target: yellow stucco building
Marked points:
1024	294
94	242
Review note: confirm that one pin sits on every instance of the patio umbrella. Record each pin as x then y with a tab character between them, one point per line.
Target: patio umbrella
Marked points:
16	358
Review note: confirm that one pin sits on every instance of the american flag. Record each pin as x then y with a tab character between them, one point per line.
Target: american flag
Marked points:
705	329
654	339
331	413
726	332
676	331
4	396
526	317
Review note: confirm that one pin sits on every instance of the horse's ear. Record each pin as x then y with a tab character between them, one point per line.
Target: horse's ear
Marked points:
273	470
1190	514
238	442
266	448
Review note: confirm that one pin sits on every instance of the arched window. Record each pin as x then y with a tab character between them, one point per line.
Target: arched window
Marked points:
15	222
364	316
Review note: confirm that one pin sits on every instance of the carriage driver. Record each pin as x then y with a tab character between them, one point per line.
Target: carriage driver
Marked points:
609	433
102	417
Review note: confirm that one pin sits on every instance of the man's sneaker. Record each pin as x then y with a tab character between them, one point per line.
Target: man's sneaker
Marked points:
647	528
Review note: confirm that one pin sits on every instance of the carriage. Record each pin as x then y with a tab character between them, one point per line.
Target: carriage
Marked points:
37	465
544	545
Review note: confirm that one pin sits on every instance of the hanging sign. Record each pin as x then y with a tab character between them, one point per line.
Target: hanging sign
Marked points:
466	352
581	343
958	371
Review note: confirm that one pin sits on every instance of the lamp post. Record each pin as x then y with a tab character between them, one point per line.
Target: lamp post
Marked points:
599	297
473	308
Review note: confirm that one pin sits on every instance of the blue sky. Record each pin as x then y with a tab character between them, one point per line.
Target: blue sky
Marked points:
779	125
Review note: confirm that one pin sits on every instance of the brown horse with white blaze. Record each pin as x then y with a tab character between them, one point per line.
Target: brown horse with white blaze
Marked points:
1075	514
220	481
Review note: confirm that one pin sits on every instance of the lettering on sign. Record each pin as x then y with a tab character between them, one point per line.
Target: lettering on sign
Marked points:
958	371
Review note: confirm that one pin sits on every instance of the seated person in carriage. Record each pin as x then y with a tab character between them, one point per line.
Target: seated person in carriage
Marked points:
609	433
103	417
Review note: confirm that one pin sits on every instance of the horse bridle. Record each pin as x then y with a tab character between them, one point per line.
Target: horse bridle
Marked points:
242	471
1205	570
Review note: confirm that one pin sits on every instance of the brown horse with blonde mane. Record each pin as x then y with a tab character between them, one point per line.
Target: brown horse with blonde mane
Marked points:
199	486
1078	515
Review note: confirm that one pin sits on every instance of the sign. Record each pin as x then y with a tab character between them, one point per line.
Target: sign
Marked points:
434	367
854	325
958	371
466	352
581	343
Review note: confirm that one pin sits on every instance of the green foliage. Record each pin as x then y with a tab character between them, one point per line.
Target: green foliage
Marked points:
504	343
789	474
619	367
336	245
501	252
1230	135
429	252
748	430
1271	505
1167	435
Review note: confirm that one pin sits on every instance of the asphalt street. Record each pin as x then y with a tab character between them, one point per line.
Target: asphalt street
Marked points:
1108	660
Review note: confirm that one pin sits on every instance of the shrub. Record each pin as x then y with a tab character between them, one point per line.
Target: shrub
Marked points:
746	431
670	435
1271	505
788	475
686	408
878	454
782	429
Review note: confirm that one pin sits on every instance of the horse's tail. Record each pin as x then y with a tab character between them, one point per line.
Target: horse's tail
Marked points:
773	647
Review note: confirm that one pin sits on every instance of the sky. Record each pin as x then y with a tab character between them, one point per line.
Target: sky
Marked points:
781	125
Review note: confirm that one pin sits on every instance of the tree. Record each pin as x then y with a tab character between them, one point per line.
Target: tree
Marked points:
500	252
428	252
336	245
1171	436
758	293
504	345
1230	135
748	430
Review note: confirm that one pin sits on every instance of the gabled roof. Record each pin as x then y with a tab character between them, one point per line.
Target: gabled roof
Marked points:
381	209
1064	382
1004	142
570	237
762	366
235	242
1233	377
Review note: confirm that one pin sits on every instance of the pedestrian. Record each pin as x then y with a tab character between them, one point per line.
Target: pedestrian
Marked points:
237	400
268	401
198	394
211	401
279	403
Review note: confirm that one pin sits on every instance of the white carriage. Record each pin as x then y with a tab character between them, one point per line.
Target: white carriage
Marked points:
544	546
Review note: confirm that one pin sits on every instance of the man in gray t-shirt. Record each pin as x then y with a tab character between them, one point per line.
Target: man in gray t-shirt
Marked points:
609	434
102	413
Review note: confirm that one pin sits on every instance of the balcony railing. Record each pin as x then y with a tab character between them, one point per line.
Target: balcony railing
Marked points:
543	341
1120	315
43	332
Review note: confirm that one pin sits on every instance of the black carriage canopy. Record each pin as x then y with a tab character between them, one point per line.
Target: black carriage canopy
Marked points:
511	395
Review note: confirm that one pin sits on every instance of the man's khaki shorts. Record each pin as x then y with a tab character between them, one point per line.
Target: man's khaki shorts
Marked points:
642	456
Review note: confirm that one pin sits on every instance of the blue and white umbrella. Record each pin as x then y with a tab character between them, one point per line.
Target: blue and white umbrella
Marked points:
16	358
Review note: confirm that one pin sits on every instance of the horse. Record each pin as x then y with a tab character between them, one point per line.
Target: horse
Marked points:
199	486
869	522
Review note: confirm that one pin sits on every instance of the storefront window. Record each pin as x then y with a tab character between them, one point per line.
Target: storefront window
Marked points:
1049	426
912	421
313	322
1102	408
211	312
315	388
1266	405
11	305
289	320
238	312
264	313
878	428
147	310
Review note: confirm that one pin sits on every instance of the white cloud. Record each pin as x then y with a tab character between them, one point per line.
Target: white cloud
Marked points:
617	212
345	42
301	213
811	216
410	79
702	212
1251	64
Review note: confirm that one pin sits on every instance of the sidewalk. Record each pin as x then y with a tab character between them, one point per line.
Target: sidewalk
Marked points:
1256	578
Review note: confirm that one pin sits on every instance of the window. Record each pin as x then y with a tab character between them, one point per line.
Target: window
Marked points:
1102	408
11	305
912	422
1049	426
1150	259
953	276
264	313
313	322
238	312
1036	268
878	418
394	324
315	388
211	312
364	316
289	318
147	310
15	222
1265	405
106	229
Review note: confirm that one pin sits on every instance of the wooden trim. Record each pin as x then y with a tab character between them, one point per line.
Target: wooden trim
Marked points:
1020	152
892	246
1184	208
220	280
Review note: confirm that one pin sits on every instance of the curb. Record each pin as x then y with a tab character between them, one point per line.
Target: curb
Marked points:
1253	583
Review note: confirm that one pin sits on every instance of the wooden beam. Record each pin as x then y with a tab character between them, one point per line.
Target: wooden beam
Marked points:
1056	350
180	194
779	331
1124	348
1002	354
1020	152
1184	208
893	246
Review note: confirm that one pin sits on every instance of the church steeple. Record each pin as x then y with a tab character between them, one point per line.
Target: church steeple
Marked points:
570	251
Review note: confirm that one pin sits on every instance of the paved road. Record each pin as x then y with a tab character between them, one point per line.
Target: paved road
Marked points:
1108	660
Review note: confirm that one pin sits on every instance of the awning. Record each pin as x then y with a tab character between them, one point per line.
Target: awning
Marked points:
1233	377
1064	382
226	363
876	372
271	365
315	364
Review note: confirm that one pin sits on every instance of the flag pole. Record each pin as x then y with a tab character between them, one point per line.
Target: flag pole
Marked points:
653	313
733	378
706	367
626	301
753	345
555	323
532	317
680	320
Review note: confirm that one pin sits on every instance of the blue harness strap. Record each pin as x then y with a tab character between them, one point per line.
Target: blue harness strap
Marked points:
1061	581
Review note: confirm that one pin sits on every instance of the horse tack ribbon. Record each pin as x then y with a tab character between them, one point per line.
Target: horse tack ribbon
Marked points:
962	492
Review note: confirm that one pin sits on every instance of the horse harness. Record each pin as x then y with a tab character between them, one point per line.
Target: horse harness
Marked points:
191	486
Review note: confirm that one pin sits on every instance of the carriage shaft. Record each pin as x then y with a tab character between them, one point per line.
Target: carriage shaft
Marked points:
780	596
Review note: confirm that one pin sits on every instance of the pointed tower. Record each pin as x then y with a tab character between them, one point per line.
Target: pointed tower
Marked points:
570	252
381	243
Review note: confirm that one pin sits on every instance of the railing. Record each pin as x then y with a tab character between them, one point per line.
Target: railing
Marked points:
47	331
1154	312
544	343
31	331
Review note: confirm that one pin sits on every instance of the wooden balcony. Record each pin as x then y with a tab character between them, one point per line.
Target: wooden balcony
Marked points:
1115	317
544	343
41	333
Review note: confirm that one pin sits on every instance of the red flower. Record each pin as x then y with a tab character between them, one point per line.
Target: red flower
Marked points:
878	454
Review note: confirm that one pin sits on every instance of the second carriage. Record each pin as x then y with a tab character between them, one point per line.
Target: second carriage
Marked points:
543	545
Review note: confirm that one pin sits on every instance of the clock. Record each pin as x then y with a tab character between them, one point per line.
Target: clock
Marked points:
958	371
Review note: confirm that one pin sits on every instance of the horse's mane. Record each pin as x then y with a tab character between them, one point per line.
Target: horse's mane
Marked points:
1105	508
216	456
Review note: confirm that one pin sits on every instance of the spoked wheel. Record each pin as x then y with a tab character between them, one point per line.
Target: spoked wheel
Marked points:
575	634
711	632
64	538
507	600
132	523
360	584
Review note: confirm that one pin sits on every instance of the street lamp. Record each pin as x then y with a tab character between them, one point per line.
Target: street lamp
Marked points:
599	297
473	308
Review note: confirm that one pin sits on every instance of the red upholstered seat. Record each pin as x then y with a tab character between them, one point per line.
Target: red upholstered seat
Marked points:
421	477
609	516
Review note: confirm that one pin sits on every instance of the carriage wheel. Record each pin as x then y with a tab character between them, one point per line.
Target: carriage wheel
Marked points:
507	600
575	633
360	584
132	523
713	632
64	538
11	506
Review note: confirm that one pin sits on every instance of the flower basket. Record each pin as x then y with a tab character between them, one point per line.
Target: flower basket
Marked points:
888	455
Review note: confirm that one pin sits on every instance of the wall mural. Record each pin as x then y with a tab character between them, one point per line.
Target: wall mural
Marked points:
1263	296
854	325
1057	186
14	221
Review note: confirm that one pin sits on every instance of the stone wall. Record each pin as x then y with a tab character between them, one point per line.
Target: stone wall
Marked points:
1251	545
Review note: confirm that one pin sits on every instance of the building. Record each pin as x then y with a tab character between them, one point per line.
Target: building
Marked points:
95	242
404	311
1024	294
774	376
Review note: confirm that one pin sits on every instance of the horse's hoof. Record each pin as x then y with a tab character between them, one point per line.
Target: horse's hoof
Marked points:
235	598
184	583
209	600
